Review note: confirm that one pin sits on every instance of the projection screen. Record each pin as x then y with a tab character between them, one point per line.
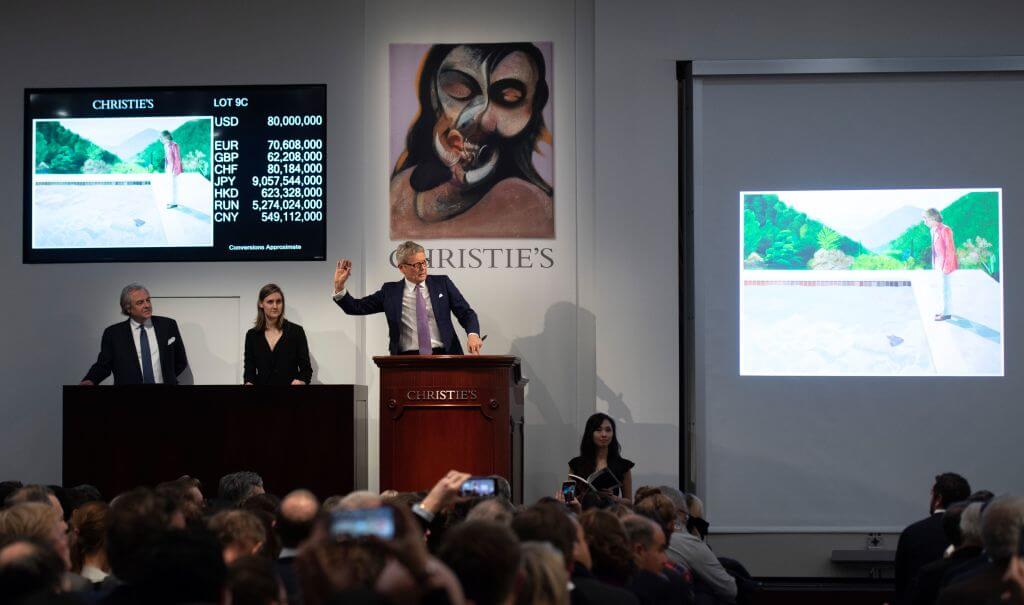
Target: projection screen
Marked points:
846	343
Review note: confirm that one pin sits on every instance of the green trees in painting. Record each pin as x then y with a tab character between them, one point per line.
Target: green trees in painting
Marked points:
776	236
785	238
61	151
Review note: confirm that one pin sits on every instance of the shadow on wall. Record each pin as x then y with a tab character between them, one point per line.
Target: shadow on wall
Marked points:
554	416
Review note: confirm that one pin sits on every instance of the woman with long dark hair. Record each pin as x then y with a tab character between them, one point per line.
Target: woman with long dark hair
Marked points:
276	351
599	448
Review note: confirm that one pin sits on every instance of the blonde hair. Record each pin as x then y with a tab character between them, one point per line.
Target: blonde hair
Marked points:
29	520
545	579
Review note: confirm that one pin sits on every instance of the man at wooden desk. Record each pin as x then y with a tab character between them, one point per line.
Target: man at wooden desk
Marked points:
418	307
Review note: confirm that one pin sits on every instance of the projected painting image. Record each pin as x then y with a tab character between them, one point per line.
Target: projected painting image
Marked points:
871	283
122	182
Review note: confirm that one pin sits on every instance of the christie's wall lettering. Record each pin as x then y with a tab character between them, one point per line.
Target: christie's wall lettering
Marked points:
487	258
441	395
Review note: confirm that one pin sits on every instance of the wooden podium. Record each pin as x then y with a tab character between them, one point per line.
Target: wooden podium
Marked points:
444	412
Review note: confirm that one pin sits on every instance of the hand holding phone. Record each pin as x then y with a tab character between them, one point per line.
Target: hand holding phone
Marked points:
481	487
569	491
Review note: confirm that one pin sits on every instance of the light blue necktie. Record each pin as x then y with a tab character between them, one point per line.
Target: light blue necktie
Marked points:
147	357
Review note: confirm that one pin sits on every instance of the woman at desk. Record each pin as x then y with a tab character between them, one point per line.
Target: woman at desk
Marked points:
276	351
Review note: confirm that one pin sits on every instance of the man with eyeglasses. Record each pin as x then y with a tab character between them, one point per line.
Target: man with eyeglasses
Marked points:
418	307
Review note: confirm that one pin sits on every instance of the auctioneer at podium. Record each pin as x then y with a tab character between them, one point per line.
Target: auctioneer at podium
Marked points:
418	307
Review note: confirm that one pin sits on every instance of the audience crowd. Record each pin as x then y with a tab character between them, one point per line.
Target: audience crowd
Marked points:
172	544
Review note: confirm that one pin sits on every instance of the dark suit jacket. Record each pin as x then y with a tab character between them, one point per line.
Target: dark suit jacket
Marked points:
119	356
924	589
981	589
289	359
591	591
445	299
919	544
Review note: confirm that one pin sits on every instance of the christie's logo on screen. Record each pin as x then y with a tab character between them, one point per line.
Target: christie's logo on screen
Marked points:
106	104
442	395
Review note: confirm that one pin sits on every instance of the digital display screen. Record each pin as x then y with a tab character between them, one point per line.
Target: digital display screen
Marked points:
213	173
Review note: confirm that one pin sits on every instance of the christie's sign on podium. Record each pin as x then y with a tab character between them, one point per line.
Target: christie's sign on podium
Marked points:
443	412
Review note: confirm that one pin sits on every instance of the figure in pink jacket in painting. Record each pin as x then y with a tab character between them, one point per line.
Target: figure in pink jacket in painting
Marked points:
172	165
944	261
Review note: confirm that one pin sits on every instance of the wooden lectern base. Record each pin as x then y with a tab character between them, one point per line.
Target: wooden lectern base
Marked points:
444	412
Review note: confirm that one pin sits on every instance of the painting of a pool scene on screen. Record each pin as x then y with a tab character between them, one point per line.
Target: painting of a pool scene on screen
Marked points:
122	182
883	282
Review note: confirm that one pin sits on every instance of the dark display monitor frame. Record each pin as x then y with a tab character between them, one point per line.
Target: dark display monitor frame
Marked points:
32	255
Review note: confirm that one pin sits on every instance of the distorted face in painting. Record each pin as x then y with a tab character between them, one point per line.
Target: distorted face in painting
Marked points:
479	123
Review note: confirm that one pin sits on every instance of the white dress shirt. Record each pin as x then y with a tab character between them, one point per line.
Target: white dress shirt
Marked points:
409	340
154	348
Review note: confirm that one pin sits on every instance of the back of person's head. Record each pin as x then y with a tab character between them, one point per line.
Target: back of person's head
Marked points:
239	532
265	507
970	524
951	522
644	492
982	495
254	581
1000	527
596	500
89	525
264	502
234	488
296	517
359	500
29	520
640	530
28	566
186	498
325	566
547	523
660	509
183	567
609	546
79	495
950	488
30	493
138	520
36	520
485	557
545	579
498	510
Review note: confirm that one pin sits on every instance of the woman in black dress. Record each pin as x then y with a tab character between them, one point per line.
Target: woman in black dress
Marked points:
276	351
600	449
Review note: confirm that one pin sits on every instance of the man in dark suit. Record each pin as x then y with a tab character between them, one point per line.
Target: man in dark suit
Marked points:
418	308
146	349
925	541
1001	526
